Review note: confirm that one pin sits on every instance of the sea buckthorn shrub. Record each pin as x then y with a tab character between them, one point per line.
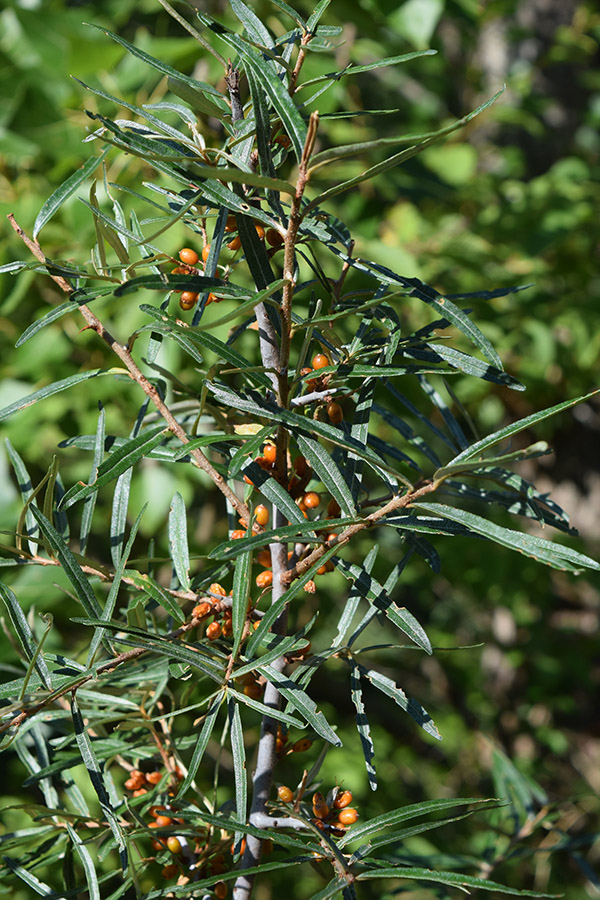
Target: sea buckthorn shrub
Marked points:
192	697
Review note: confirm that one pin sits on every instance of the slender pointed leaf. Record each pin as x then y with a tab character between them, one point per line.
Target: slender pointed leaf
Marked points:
25	635
178	541
201	744
53	388
302	703
325	468
68	187
362	724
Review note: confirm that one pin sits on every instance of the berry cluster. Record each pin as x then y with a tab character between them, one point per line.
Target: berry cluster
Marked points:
282	744
334	411
332	814
217	605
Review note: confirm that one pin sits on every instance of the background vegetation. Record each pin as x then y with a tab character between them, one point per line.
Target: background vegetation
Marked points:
513	199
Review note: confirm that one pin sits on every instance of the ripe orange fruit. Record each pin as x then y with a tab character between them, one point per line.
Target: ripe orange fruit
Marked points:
260	231
153	777
188	256
235	244
300	465
242	847
319	361
188	299
203	609
220	890
263	558
264	579
170	871
343	799
348	816
274	237
285	794
301	745
205	252
140	792
335	413
162	822
283	140
270	452
261	514
237	534
174	844
311	500
320	808
217	588
231	224
213	631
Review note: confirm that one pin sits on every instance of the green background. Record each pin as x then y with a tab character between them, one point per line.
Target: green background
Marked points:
513	199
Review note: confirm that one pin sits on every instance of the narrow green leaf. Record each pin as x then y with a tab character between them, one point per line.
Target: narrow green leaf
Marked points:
25	635
302	703
374	592
96	777
315	16
68	187
242	575
255	29
34	883
26	490
119	461
69	565
265	710
477	449
408	704
404	813
551	554
201	744
89	505
47	319
451	878
480	466
327	471
362	725
53	388
356	70
178	541
471	365
240	776
197	99
87	863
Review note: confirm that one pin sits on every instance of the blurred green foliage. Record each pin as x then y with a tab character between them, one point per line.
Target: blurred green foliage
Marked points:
512	200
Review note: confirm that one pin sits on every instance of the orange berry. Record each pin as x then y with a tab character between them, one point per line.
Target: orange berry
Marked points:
211	299
213	631
320	808
261	514
162	822
220	890
319	361
140	792
274	237
285	794
205	252
188	256
188	299
332	536
322	569
227	628
263	558
259	230
270	452
348	816
310	587
153	777
283	140
335	413
235	244
217	588
343	799
171	870
311	500
180	270
237	534
174	844
254	691
156	810
267	845
301	745
203	609
263	462
264	579
231	224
